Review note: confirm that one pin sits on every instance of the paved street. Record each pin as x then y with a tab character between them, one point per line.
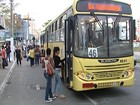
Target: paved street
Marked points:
5	75
26	86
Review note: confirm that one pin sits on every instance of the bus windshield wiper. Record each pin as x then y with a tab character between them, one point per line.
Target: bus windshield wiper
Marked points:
117	19
92	13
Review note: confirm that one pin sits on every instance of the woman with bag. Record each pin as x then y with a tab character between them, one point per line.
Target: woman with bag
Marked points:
48	74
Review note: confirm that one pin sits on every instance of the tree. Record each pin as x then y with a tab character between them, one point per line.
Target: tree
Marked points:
5	10
46	23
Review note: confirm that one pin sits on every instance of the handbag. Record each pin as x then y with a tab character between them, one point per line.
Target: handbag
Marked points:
5	62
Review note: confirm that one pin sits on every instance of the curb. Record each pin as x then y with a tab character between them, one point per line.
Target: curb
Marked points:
4	83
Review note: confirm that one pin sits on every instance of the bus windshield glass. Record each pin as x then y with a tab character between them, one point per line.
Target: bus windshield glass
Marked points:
102	36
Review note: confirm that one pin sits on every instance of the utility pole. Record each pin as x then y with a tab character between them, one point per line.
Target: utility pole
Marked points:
11	31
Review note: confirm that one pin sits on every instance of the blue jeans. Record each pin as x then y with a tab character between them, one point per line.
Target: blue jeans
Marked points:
31	61
8	57
57	84
48	92
18	60
37	56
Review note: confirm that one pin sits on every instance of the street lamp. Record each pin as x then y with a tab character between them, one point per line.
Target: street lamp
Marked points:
11	30
27	18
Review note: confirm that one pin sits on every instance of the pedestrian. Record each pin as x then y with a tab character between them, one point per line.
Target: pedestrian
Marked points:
32	56
8	51
3	56
37	55
57	65
48	77
18	55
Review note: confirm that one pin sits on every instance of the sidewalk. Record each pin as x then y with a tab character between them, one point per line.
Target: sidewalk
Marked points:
5	74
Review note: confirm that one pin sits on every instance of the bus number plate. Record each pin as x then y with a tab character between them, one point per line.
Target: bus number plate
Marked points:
92	52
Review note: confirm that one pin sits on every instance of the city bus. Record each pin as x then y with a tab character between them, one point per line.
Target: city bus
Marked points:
96	40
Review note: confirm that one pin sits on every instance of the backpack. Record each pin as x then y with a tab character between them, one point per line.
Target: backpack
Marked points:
50	70
49	67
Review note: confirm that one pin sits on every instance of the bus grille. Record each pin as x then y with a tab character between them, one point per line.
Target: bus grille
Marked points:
107	75
108	84
108	67
107	71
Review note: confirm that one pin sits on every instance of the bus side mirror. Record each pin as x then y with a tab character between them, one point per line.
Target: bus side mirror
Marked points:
133	30
71	22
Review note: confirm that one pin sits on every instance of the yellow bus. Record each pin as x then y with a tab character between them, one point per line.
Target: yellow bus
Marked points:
96	40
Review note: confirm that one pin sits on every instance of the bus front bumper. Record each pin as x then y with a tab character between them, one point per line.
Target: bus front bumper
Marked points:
81	85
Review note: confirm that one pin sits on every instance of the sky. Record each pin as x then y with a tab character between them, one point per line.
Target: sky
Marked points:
43	10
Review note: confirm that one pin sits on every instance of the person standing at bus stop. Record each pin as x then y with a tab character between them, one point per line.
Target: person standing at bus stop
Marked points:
3	52
58	65
37	54
48	77
8	51
32	56
18	55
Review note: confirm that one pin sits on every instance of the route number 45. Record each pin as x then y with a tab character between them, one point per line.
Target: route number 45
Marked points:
92	52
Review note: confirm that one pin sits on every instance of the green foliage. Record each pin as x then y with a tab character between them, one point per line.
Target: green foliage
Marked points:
46	23
5	10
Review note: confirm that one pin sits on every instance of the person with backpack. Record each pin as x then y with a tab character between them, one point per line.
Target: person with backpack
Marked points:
48	74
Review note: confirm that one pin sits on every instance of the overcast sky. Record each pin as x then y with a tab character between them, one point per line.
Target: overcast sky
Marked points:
43	10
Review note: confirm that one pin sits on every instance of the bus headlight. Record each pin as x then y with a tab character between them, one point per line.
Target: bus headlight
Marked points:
125	74
88	76
85	75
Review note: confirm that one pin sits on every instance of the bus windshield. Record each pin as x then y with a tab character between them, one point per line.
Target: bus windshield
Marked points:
108	36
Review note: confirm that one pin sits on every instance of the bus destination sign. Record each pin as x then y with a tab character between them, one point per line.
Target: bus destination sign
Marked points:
106	6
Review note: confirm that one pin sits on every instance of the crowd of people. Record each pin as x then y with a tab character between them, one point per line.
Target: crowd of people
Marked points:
37	55
5	55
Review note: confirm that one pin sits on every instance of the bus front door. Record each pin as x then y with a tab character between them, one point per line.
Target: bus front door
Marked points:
68	51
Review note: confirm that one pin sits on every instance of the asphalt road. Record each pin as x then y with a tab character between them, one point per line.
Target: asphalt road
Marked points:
22	89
